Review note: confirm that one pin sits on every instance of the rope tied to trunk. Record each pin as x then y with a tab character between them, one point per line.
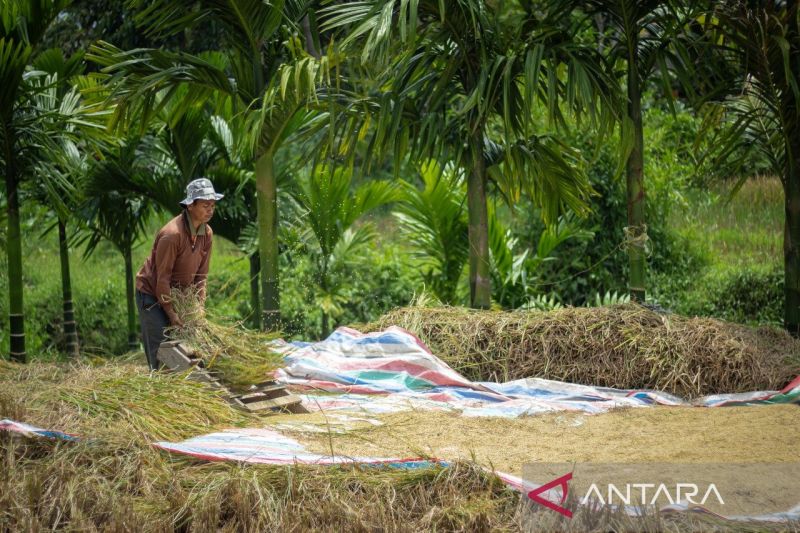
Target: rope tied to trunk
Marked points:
637	237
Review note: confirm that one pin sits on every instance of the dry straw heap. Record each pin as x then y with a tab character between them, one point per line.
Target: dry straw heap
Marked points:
113	479
624	346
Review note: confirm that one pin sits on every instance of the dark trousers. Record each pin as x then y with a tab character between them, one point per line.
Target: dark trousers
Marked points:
153	320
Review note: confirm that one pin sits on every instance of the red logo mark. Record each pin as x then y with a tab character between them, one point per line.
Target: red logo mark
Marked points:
562	482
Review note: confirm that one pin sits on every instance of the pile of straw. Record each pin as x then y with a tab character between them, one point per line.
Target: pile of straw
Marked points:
238	356
113	479
624	346
117	402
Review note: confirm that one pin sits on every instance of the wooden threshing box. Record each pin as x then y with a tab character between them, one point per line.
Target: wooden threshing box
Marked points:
264	397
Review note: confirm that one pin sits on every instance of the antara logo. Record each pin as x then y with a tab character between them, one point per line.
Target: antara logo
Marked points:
562	482
614	495
660	493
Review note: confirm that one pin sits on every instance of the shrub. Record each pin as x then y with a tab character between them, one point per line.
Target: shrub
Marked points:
750	295
377	284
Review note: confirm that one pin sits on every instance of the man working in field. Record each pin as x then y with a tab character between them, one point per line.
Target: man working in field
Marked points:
179	258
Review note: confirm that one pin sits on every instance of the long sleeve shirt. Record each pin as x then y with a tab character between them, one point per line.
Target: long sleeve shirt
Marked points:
179	258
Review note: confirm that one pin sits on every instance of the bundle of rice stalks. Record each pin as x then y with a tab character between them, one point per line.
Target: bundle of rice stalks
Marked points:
623	346
240	357
119	403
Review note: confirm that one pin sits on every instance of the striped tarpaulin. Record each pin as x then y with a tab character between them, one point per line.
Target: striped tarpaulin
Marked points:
393	370
33	431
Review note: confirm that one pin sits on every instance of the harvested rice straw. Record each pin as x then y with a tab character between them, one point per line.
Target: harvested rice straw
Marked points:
624	346
116	402
241	357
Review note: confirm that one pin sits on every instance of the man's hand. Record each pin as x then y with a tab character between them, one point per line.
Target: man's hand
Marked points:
176	321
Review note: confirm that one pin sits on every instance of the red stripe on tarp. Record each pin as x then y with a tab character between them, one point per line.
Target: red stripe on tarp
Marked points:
791	386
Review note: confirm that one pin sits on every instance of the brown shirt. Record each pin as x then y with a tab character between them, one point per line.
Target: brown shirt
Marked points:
176	262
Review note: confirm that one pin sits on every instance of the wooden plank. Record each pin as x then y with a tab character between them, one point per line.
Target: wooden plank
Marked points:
297	408
173	358
276	403
236	403
188	350
264	393
268	383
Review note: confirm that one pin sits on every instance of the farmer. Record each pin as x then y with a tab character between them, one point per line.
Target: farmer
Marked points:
179	258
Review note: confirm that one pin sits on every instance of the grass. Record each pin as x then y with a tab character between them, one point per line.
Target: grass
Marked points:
733	269
743	230
112	478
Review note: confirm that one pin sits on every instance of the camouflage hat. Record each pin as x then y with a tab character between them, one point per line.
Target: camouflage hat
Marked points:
200	189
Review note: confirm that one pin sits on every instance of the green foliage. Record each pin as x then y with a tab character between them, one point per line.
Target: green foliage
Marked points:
515	276
98	289
433	221
379	281
599	264
328	212
732	268
542	302
85	21
609	298
748	295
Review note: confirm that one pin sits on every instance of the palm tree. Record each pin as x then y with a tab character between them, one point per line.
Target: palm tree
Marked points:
22	26
762	40
434	221
648	37
111	212
265	81
458	76
329	211
60	168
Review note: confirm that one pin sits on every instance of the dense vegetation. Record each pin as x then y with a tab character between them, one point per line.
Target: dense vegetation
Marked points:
559	153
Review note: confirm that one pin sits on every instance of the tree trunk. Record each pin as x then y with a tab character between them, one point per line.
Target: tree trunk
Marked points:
323	281
311	34
480	290
255	301
133	332
791	253
637	231
14	250
70	331
267	204
791	189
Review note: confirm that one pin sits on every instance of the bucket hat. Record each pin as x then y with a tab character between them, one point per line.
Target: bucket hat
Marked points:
200	189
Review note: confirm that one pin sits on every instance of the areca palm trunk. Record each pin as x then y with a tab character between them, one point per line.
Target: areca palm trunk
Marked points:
70	330
267	208
255	301
791	188
635	180
323	281
133	334
480	290
791	246
14	250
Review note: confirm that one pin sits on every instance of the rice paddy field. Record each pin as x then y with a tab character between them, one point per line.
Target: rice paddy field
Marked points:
112	478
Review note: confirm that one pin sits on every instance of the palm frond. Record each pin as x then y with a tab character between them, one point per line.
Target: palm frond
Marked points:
434	221
143	81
